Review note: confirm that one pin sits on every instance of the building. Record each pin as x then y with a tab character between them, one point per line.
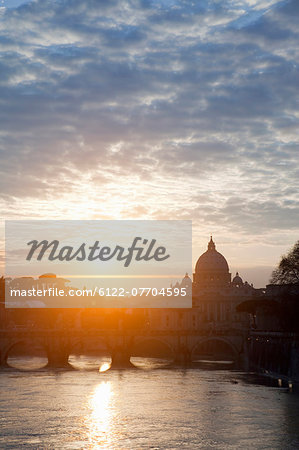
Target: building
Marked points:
215	296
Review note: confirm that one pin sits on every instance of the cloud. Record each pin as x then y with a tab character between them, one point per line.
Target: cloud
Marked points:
186	101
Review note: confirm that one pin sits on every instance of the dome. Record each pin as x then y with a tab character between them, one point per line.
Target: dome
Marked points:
186	281
211	261
237	280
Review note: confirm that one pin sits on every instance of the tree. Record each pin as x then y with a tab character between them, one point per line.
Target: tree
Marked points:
287	271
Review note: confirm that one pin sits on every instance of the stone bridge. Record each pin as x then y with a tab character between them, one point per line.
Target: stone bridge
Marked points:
184	346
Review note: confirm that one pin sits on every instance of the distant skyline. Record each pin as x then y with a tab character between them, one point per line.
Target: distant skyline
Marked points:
158	109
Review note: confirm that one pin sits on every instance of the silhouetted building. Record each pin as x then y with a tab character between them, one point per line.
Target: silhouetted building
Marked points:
214	300
214	297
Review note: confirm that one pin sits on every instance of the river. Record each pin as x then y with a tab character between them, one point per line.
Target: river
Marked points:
151	407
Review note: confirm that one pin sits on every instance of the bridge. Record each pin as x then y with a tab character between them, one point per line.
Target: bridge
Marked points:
184	346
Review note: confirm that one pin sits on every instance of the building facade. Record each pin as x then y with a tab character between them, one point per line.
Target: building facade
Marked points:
215	296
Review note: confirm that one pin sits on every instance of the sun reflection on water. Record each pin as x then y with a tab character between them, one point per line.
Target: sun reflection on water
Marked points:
100	419
104	367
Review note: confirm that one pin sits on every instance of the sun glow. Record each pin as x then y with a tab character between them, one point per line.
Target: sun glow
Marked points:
104	367
100	418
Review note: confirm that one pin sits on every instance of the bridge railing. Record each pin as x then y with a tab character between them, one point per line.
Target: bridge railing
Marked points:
117	332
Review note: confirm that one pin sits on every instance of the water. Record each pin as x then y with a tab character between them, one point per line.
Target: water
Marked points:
153	407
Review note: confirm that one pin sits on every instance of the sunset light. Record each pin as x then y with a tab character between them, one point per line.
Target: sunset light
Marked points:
149	227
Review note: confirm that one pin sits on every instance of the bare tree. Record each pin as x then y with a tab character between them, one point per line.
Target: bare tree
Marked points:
287	271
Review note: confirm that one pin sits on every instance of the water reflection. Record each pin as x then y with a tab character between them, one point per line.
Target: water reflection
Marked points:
101	414
150	363
104	367
164	408
27	362
88	362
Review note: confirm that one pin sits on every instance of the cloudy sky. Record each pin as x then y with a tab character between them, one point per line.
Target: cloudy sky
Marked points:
161	109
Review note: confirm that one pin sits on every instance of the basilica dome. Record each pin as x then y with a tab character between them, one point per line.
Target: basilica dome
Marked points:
211	261
237	280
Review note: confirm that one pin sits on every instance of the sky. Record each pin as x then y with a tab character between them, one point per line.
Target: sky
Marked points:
160	109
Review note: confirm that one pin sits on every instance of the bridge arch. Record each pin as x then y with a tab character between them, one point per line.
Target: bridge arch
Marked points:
82	343
159	350
213	348
30	344
86	352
